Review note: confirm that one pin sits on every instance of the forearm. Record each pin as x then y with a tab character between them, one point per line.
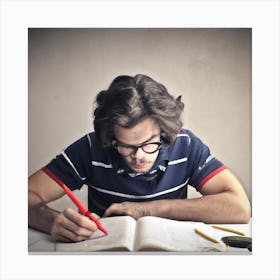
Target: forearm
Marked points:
40	216
217	208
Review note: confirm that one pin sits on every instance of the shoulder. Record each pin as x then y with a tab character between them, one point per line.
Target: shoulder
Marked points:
84	141
186	137
90	139
181	146
186	143
84	144
97	152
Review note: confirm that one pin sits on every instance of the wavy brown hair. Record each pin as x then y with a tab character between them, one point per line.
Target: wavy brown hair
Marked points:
128	100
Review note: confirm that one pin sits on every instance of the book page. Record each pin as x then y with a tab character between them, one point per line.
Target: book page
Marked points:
160	234
120	237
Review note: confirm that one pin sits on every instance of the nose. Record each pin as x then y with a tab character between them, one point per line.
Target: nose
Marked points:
138	153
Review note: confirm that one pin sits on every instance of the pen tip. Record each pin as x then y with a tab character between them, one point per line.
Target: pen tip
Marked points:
104	231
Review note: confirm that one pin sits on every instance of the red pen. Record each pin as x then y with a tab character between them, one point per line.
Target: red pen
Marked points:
81	207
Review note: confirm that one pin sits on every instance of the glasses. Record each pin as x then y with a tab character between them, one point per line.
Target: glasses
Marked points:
127	150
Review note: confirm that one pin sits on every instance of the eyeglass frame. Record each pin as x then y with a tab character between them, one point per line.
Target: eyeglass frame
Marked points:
136	147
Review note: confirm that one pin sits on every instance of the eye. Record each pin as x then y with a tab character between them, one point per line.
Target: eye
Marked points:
151	147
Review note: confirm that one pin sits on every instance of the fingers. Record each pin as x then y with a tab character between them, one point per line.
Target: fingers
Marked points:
72	226
117	209
78	220
135	210
61	234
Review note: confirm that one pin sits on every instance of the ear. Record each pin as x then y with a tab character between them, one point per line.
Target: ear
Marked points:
163	137
114	142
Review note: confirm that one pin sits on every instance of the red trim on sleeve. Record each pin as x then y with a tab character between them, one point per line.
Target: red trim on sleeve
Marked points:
48	172
212	174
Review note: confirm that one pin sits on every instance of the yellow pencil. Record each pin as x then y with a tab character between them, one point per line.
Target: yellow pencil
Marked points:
229	230
206	236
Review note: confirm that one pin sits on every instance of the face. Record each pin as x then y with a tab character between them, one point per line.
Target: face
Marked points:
144	132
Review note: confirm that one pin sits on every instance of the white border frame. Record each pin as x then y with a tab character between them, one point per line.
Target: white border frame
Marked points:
17	16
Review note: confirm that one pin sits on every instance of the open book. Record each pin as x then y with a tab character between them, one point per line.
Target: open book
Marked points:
148	234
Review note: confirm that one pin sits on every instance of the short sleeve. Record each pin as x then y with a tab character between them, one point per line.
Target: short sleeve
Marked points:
204	164
72	165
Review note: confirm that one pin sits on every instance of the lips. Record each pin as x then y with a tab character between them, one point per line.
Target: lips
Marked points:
139	165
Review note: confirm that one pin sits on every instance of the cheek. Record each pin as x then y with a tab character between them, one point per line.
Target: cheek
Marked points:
154	156
151	157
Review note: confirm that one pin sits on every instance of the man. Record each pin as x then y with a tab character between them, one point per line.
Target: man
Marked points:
138	162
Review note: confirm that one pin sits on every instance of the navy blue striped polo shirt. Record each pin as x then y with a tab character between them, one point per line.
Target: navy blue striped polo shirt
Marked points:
187	161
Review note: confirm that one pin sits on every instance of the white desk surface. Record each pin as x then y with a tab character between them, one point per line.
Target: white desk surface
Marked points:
42	242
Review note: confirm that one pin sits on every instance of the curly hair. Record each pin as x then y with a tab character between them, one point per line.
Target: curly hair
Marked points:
129	100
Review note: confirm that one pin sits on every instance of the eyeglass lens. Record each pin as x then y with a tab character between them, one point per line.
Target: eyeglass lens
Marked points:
147	148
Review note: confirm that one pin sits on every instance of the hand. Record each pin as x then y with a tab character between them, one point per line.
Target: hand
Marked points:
72	226
134	209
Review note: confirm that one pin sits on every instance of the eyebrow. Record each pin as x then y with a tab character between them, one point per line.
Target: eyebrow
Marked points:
153	136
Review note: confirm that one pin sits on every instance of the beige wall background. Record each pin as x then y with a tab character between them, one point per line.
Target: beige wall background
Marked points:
209	67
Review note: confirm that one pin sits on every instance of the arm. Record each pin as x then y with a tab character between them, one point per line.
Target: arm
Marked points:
65	226
223	201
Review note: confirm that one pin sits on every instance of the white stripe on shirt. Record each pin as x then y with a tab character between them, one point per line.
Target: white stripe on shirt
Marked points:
89	140
185	135
141	196
70	162
177	161
101	164
207	160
